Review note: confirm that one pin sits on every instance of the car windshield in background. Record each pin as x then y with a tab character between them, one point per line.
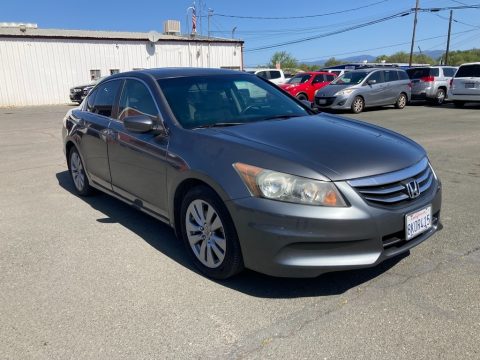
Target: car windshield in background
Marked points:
299	79
219	100
468	71
351	78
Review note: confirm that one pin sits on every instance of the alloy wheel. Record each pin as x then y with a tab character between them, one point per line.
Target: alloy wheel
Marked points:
76	169
205	233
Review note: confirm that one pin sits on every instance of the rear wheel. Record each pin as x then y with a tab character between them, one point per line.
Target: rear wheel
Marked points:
77	172
458	104
401	101
439	97
358	105
209	235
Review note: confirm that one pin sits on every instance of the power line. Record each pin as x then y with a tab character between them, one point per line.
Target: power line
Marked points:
390	46
355	27
301	16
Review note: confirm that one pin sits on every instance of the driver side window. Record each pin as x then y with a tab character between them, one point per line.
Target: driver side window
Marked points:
136	100
377	76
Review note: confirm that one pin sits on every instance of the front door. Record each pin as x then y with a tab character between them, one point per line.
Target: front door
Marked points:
138	161
93	127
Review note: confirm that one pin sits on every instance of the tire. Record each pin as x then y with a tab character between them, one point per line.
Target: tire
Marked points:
77	173
439	97
459	104
209	235
358	104
401	101
302	97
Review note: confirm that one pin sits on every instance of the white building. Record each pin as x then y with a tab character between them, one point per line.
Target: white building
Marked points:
39	66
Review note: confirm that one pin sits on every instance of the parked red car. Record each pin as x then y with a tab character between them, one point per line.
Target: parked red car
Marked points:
304	85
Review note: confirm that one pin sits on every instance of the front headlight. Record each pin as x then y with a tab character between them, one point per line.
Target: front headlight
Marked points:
344	92
288	188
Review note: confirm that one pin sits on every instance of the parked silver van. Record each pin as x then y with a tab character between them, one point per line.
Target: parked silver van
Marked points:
431	82
363	88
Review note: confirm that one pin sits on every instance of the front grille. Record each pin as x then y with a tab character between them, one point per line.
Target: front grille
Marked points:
391	189
328	101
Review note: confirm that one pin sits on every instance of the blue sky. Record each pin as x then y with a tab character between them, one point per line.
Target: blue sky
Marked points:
384	38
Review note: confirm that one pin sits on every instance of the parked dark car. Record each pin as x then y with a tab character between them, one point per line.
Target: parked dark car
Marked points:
78	93
249	176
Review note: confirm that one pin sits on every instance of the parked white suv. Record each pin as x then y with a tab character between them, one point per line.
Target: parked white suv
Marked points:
465	85
276	76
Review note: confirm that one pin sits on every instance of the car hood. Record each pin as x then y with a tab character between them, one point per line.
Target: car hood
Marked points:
81	86
331	90
334	147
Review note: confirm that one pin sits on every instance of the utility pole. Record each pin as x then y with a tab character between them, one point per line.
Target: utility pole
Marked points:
414	30
448	38
210	13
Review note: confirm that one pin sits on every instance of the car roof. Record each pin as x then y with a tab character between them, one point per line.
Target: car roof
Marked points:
472	63
172	72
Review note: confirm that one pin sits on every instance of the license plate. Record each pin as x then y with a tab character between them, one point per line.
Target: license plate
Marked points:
418	222
469	85
322	101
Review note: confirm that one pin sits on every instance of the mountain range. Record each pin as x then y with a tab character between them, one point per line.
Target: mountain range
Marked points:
434	54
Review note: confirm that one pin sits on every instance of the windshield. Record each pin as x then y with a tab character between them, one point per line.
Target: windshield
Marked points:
350	78
299	79
202	101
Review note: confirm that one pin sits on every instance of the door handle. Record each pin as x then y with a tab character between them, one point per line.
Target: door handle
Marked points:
108	135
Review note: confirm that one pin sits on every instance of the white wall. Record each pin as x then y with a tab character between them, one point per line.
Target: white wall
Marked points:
41	71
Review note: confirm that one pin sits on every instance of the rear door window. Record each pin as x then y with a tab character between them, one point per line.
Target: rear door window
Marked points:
275	75
318	79
391	75
402	75
104	99
449	72
330	77
468	71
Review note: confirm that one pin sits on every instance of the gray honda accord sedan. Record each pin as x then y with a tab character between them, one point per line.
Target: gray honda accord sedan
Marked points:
248	176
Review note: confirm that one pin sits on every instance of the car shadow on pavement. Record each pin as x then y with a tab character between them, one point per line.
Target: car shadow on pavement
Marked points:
162	238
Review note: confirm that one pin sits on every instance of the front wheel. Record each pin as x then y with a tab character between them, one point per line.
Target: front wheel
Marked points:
77	172
209	235
358	105
302	97
401	101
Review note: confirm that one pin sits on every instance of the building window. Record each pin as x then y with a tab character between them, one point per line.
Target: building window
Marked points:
95	74
114	71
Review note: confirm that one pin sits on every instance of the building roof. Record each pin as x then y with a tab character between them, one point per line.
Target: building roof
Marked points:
17	32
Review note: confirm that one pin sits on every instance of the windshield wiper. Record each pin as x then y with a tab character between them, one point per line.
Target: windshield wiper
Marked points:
283	116
221	124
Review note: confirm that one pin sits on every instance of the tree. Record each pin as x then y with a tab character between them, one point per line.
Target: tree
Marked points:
462	57
403	57
332	62
285	60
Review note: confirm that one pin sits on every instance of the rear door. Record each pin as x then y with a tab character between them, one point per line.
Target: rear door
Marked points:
93	130
138	160
467	80
394	86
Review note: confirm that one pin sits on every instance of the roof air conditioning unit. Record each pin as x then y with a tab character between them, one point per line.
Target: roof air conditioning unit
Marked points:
171	27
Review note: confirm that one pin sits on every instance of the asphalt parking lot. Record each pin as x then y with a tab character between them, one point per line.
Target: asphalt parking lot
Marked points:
92	278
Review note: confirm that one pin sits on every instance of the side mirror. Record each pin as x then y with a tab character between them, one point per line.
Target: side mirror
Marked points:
372	82
138	123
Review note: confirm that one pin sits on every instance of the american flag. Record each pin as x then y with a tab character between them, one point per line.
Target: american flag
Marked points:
194	20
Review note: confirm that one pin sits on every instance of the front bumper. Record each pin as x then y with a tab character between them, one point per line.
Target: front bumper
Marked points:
76	96
291	240
334	102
